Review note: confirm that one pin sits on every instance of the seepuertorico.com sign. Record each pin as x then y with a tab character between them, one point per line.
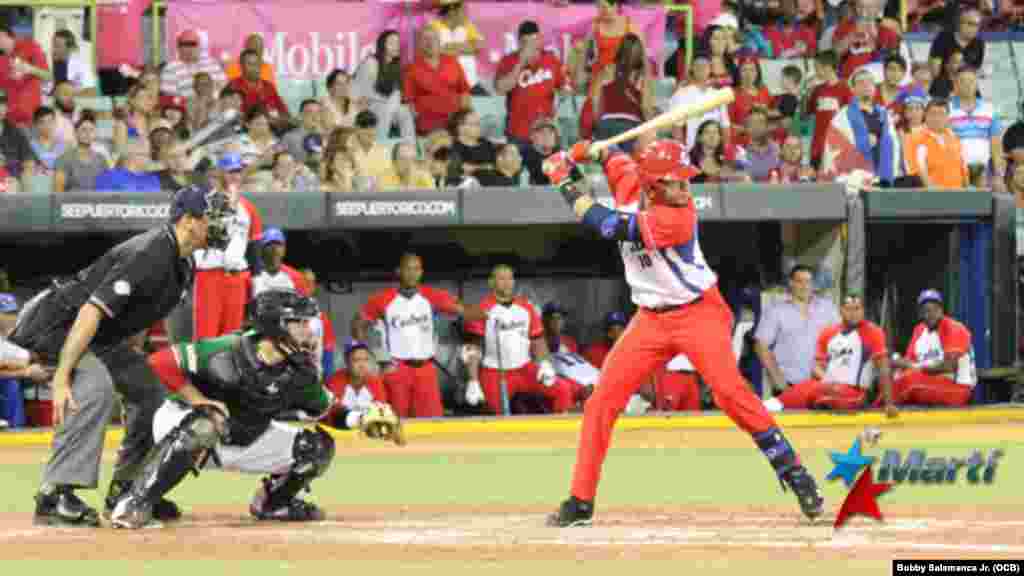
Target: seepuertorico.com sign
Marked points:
915	469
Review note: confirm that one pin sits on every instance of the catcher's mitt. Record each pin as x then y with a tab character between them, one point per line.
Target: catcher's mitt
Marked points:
380	421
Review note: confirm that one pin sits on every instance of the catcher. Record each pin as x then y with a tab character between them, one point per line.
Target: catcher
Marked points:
229	395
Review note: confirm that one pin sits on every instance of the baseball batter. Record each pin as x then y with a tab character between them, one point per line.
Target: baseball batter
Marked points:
222	275
844	351
680	312
511	334
229	393
408	315
939	363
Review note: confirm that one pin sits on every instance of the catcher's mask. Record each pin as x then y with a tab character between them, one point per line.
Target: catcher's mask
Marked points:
664	161
289	318
199	202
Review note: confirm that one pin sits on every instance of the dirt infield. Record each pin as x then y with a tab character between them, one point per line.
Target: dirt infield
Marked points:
468	536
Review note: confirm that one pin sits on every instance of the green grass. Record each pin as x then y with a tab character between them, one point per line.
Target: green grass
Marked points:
670	476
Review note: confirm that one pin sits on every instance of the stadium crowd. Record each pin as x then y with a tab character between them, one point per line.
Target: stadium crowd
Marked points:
867	113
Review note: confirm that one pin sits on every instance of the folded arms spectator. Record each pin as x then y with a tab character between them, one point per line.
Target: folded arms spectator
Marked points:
434	84
477	153
935	152
976	122
379	80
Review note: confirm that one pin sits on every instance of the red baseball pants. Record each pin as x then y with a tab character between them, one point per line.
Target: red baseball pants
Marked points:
677	391
702	331
562	394
218	302
812	393
917	387
413	390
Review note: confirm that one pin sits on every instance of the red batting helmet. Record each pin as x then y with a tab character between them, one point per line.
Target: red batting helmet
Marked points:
664	160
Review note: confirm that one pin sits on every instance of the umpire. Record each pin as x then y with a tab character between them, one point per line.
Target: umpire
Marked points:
82	323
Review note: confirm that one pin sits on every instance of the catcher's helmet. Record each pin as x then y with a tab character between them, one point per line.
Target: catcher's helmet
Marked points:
661	161
270	313
201	201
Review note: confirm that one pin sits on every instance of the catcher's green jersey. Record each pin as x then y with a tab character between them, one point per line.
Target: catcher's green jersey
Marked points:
227	369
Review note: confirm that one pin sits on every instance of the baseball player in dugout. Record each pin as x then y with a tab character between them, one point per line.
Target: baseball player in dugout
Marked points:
78	323
614	326
680	311
356	387
222	275
845	352
325	329
229	395
553	315
275	275
408	316
500	348
938	368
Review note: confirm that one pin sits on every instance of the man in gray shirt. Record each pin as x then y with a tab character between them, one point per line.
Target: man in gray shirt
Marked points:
787	333
310	112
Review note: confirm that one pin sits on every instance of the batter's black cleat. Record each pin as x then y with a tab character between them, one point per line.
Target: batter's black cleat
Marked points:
572	512
800	481
60	507
296	510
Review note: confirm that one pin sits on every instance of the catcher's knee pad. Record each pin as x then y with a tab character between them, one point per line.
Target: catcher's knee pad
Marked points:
182	450
313	452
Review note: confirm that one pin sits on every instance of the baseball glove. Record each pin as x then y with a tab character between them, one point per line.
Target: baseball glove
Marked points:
380	422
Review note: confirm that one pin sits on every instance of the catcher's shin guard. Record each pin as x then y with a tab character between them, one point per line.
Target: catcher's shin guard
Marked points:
184	449
276	497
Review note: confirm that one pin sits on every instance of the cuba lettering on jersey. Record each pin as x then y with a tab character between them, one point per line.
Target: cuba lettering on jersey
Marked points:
245	226
507	331
931	346
666	267
847	354
576	368
408	321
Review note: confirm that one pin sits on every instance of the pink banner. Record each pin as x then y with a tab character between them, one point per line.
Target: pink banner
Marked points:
308	39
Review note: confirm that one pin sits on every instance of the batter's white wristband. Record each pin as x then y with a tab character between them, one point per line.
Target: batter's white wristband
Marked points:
352	419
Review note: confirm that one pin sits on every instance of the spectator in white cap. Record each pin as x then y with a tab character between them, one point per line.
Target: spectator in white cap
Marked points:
178	76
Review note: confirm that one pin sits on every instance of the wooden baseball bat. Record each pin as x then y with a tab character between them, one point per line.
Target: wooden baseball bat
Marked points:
677	115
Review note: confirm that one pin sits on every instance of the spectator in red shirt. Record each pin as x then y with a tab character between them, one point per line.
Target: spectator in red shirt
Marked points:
259	92
529	78
434	84
614	326
825	101
790	37
861	39
23	69
751	91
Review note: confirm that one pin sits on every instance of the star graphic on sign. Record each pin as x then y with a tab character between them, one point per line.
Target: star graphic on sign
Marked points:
861	501
848	464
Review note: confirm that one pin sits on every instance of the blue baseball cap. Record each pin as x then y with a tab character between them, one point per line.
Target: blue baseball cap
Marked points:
553	308
353	345
272	235
230	162
8	303
192	200
615	319
929	296
313	144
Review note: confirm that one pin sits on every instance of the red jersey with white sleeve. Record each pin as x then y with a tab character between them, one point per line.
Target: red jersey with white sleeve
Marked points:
507	330
408	320
950	337
667	267
286	278
845	352
246	226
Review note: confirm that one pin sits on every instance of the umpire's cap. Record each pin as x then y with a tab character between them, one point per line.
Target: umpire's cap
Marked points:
272	236
929	295
8	303
615	319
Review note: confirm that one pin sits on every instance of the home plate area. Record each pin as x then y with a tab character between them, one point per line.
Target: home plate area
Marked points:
617	532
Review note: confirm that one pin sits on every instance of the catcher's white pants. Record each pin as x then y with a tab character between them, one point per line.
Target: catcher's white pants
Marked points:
270	453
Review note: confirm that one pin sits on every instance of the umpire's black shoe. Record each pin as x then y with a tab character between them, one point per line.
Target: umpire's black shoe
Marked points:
60	507
572	512
800	481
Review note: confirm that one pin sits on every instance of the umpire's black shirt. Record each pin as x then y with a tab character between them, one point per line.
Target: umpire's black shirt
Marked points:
135	284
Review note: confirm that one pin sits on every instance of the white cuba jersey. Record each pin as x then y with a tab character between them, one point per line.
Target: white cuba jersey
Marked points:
576	368
928	348
666	277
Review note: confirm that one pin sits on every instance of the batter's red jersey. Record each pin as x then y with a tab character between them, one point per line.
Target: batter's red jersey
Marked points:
596	353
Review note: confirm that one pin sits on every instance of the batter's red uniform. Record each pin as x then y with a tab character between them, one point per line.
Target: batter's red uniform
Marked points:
409	338
844	353
676	387
681	312
221	287
929	346
507	331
